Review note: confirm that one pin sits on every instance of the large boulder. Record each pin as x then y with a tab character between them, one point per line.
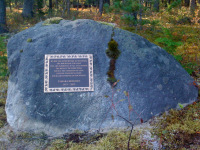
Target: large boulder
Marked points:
155	81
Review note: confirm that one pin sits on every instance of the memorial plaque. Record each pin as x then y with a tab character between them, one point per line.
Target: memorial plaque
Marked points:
68	73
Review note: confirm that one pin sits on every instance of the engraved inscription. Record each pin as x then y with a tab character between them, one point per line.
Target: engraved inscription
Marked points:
68	73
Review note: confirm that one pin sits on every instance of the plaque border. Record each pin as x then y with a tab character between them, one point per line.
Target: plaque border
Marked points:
68	89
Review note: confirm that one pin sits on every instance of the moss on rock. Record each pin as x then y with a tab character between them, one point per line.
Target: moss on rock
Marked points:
54	20
180	128
29	40
113	53
106	23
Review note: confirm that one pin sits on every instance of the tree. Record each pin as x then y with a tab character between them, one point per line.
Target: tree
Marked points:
56	4
9	3
28	8
187	3
77	5
50	7
66	4
156	5
40	6
100	7
3	27
68	7
131	9
16	2
107	1
192	6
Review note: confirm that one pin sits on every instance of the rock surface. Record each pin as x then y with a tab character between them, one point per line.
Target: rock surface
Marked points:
155	81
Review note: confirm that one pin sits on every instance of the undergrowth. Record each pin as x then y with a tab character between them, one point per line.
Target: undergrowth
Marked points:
3	95
180	128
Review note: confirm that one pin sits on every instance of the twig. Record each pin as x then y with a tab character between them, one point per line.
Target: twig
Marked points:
130	137
125	119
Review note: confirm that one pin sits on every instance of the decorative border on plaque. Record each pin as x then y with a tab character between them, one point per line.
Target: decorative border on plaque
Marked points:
68	89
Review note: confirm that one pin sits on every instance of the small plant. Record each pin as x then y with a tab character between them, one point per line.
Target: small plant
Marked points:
189	67
154	23
130	108
170	44
167	41
128	9
180	105
174	5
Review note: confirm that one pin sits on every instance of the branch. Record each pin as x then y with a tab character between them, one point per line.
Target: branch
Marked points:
130	137
125	119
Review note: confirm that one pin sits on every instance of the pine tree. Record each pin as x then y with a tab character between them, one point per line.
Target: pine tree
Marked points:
3	28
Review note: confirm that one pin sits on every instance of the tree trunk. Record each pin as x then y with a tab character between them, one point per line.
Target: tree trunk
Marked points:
9	2
68	7
107	1
135	18
186	3
100	7
28	8
16	2
57	4
77	5
39	5
156	5
64	8
192	6
44	2
66	4
140	13
3	27
50	7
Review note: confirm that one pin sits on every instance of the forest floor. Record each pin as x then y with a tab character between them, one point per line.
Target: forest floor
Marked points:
175	129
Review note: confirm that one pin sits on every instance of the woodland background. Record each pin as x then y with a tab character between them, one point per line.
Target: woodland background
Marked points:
174	25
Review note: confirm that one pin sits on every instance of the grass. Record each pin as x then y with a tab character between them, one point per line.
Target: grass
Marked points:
3	95
177	129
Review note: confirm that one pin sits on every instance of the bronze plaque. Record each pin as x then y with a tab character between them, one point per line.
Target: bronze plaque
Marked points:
68	73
